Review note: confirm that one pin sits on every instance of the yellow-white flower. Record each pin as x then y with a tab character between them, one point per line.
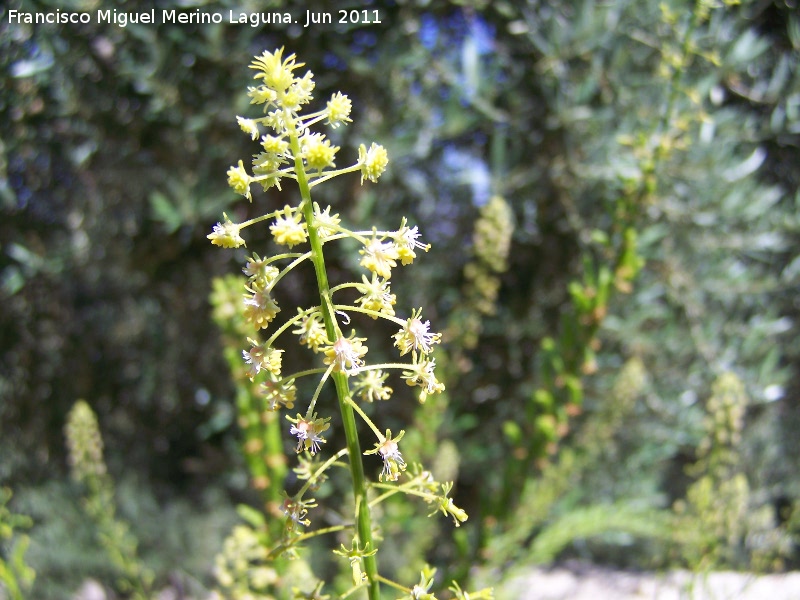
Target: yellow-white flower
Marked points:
373	161
338	110
415	335
260	272
275	72
422	375
308	432
261	95
226	234
311	330
249	126
389	451
379	257
288	230
239	180
345	354
377	295
317	151
407	240
260	308
370	386
327	224
279	392
262	357
275	145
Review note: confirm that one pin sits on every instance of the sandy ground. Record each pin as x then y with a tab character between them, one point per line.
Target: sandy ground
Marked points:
587	582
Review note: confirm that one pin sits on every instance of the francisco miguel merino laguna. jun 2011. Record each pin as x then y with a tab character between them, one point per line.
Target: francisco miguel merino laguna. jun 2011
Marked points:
173	16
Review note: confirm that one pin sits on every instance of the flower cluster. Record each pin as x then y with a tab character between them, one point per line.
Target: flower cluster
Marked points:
260	272
422	374
379	257
288	230
279	392
262	357
380	252
308	431
373	161
371	386
226	234
311	329
376	296
239	180
327	224
287	143
389	450
296	511
260	306
415	335
241	567
407	239
339	107
346	354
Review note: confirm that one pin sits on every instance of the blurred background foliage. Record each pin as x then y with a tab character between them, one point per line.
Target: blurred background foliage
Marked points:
114	143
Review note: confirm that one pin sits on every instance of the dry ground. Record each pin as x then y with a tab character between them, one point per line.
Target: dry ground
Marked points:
578	581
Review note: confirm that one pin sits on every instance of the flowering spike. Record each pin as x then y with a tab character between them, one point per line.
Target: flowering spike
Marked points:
290	149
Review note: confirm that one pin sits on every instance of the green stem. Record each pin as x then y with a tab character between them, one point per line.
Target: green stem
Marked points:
277	551
315	476
395	585
363	517
332	174
372	313
283	273
367	420
306	373
313	402
405	489
284	327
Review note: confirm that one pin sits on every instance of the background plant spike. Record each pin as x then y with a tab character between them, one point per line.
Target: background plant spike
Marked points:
88	468
261	442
